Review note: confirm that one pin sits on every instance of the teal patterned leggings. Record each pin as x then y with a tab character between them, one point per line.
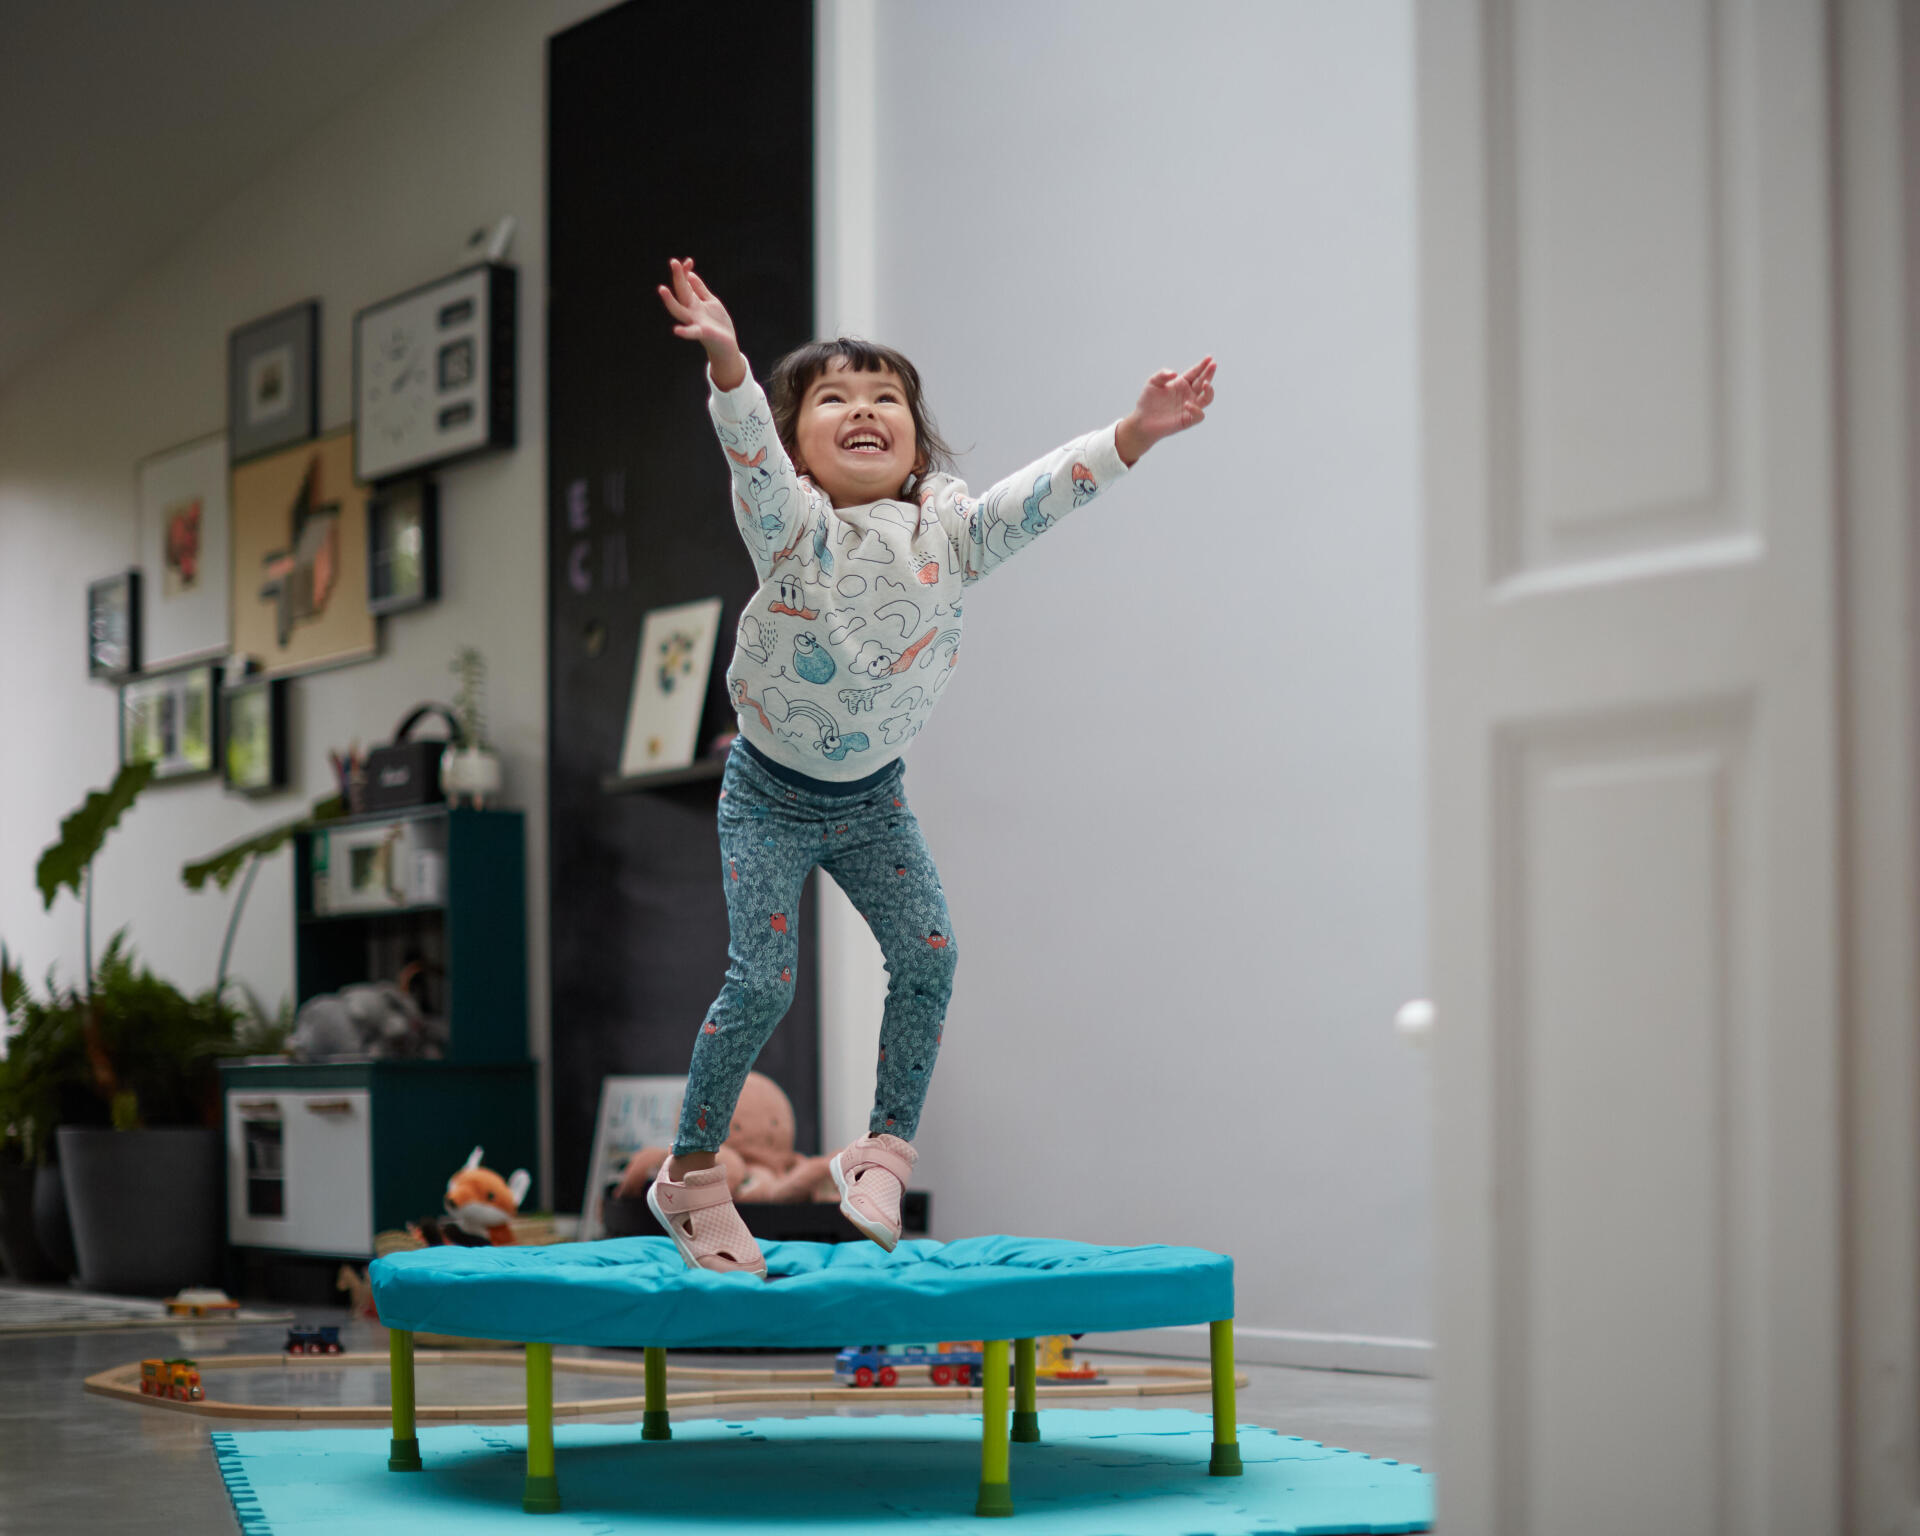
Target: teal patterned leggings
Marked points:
772	834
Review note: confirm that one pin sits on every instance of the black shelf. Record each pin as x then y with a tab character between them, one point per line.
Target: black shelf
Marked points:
706	768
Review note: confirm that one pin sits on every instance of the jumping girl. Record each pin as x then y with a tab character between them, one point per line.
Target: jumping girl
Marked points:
864	542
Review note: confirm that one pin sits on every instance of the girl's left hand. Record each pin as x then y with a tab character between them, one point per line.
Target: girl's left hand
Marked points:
1170	403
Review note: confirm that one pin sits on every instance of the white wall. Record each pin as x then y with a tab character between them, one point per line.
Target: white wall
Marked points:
1175	789
1186	878
378	199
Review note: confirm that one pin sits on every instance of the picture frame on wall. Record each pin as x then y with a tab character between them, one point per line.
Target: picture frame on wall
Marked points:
181	500
635	1112
299	572
113	626
172	720
670	674
254	754
273	381
435	373
403	545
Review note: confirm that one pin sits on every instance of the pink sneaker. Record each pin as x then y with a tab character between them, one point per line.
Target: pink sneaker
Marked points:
871	1176
699	1216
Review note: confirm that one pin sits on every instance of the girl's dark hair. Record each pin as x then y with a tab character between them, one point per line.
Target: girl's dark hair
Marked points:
794	374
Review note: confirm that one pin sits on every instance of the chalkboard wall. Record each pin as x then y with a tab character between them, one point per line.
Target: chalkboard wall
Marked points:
669	134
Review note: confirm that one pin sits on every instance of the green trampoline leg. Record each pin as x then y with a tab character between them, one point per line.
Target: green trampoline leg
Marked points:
1026	1419
542	1496
653	1421
996	1497
1226	1433
404	1455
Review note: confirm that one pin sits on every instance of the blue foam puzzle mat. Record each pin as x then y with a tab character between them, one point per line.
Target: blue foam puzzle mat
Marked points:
1096	1472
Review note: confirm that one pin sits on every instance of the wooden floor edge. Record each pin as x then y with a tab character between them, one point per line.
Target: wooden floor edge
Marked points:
123	1382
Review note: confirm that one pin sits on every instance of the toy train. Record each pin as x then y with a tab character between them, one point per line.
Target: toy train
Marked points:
314	1341
955	1364
177	1379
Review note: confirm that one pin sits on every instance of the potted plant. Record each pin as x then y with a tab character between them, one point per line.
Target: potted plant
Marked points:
43	1070
469	768
117	1078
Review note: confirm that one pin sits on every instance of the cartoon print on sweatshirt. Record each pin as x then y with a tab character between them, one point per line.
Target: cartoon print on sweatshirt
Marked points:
831	743
898	730
912	699
842	622
851	585
949	646
788	599
822	553
893	512
1085	487
768	495
812	663
877	660
857	699
756	639
903	611
1033	520
873	549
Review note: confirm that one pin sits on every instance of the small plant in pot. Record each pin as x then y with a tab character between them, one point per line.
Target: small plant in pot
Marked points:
469	768
119	1077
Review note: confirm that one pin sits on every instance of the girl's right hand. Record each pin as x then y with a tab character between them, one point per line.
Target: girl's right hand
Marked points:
703	318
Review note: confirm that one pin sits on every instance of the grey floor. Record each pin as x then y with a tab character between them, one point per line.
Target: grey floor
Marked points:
74	1462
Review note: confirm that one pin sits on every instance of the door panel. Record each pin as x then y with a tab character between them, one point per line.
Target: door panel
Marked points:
1630	558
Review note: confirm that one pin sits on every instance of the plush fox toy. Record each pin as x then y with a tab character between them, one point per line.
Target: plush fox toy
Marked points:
482	1203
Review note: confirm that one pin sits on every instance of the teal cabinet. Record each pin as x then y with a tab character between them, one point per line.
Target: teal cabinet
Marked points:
322	1155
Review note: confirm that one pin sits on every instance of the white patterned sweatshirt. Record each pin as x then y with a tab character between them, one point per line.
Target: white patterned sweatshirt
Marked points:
845	648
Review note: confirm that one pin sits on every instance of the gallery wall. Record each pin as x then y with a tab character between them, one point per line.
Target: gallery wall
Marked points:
380	198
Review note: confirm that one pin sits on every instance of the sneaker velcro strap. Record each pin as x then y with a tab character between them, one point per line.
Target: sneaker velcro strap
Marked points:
694	1197
870	1156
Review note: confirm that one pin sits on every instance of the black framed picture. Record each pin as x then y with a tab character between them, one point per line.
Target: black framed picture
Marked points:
434	372
255	757
403	545
172	720
273	381
113	625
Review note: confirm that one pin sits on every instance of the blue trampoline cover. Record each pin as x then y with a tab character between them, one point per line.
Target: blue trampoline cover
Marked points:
636	1290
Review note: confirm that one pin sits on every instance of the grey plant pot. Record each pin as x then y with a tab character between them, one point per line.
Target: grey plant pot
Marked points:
51	1224
145	1207
19	1243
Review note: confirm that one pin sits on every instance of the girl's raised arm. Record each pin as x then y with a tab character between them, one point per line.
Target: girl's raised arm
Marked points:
773	507
1017	510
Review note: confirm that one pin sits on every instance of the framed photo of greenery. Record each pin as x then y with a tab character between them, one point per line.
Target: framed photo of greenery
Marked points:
403	545
172	720
113	625
255	757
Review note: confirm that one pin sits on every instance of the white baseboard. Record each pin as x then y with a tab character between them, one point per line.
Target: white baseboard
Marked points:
1278	1346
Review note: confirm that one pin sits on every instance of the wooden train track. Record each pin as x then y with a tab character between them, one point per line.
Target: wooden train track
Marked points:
750	1386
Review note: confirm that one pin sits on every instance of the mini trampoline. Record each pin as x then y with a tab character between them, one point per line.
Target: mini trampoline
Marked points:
636	1292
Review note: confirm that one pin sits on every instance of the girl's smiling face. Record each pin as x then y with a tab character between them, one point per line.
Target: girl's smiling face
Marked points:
855	435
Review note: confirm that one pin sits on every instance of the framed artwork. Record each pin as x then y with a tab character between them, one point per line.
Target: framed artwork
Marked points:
172	720
403	545
635	1112
255	756
299	575
669	687
273	381
181	495
113	625
434	372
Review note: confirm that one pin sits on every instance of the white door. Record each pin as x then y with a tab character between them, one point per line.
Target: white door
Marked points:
1627	300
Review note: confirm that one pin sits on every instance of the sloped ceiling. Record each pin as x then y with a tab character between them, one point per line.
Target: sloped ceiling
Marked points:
126	123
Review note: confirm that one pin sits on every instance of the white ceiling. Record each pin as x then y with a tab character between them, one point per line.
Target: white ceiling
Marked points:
126	123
